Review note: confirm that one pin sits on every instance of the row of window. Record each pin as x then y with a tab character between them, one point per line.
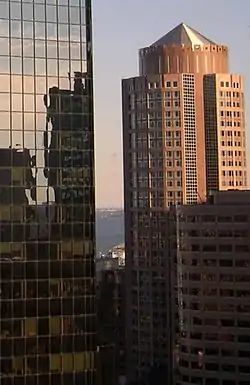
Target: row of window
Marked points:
232	153
229	84
41	12
174	114
75	3
35	327
46	289
229	94
230	104
155	124
212	233
53	363
49	49
226	307
214	351
220	248
31	85
236	163
232	173
171	84
26	102
219	337
42	31
240	218
219	277
210	381
173	143
231	124
158	104
232	133
214	292
167	84
230	113
188	83
15	66
231	143
176	104
241	369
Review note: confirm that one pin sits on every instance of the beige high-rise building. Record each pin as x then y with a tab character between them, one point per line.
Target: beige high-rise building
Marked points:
225	132
183	135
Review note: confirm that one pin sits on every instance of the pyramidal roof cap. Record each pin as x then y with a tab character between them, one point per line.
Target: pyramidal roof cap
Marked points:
183	35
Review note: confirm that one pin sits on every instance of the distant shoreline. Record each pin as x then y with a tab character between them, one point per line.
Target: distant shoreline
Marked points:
109	229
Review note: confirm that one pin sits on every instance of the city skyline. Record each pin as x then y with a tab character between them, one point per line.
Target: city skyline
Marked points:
125	43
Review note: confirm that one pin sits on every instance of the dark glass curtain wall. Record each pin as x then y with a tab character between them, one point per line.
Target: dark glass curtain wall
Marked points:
47	240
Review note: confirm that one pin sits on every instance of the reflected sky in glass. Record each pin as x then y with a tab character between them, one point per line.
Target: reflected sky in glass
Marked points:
41	46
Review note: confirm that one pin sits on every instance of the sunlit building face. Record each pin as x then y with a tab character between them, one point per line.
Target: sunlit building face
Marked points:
47	331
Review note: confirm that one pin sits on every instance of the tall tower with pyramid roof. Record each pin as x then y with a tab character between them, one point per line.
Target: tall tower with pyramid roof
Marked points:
183	35
183	50
183	135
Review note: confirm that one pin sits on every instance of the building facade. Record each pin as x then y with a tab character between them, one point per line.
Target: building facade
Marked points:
111	310
183	50
47	207
172	157
225	132
212	258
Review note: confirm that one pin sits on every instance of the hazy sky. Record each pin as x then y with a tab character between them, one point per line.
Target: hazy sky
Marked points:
120	29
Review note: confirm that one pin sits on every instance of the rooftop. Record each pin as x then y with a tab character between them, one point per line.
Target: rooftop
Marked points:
183	35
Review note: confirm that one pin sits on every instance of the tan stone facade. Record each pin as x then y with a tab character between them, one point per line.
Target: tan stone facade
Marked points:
176	149
184	59
225	132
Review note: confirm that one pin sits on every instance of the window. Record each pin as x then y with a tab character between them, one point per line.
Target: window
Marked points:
55	325
175	84
55	363
211	351
242	248
240	218
228	368
209	248
168	84
30	327
212	366
227	322
226	263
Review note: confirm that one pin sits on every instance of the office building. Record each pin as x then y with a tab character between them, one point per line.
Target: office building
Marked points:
212	258
183	134
225	132
47	208
111	310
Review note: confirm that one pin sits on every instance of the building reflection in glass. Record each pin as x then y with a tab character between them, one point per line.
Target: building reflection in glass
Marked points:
47	312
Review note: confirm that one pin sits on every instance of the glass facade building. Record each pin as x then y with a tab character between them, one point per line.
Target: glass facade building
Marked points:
47	207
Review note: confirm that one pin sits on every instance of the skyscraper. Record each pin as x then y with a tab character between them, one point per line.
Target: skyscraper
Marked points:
213	258
47	207
183	134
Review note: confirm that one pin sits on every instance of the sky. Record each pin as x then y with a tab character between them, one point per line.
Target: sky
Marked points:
120	28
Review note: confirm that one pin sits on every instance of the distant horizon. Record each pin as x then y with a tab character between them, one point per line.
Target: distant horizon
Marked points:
110	208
